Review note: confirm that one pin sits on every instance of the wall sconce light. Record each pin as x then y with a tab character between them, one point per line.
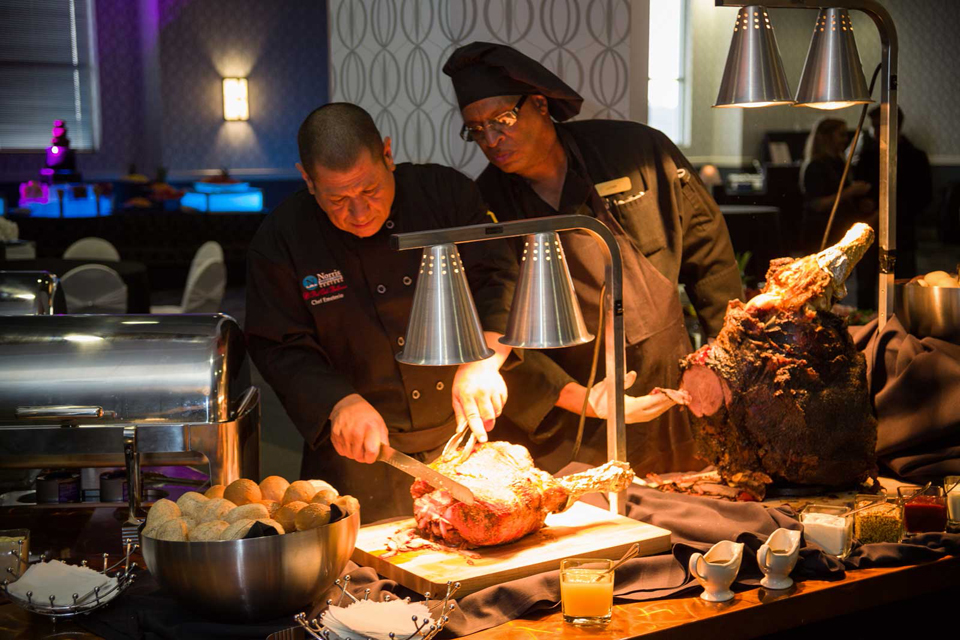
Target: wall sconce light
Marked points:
236	106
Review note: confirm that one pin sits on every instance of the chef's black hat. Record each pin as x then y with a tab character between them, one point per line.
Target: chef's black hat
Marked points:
482	70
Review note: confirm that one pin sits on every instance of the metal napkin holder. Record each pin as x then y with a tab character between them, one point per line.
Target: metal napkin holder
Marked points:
425	629
122	570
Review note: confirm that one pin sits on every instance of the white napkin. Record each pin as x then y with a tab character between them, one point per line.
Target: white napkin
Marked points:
376	620
61	580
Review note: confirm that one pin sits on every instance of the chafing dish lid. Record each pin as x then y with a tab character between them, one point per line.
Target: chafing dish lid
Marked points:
134	368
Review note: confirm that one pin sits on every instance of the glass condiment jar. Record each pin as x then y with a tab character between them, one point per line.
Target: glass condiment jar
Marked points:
923	510
829	526
951	484
879	521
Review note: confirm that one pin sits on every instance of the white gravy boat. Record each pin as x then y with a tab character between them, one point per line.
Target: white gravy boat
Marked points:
717	570
777	558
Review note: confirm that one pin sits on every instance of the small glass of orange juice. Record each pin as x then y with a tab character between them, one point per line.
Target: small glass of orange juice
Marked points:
586	592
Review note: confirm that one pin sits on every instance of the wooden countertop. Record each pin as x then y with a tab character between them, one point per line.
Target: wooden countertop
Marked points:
750	614
753	613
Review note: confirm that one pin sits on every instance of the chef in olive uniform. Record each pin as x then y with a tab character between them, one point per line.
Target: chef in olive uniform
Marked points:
328	302
634	180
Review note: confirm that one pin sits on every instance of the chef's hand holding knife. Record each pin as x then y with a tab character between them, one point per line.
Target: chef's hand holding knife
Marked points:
357	429
479	391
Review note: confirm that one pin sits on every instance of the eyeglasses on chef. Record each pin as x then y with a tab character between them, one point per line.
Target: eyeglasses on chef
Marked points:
498	124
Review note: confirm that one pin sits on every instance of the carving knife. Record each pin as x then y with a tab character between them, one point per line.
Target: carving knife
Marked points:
431	476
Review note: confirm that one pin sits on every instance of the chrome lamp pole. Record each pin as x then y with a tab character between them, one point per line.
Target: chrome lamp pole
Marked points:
613	298
888	128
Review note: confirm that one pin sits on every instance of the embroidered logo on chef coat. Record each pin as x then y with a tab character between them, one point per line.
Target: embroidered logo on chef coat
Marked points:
323	287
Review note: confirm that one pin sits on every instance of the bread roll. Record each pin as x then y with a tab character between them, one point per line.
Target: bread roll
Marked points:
325	496
320	485
175	530
216	491
242	491
272	488
312	516
287	514
348	503
161	511
191	504
272	506
237	530
208	531
253	511
299	491
215	509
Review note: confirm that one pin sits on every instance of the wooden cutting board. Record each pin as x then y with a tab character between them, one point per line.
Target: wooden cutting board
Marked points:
583	531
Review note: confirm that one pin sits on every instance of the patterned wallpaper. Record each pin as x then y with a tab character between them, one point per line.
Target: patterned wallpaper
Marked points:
387	55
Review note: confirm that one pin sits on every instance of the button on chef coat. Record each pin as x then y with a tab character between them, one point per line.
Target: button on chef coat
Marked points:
324	307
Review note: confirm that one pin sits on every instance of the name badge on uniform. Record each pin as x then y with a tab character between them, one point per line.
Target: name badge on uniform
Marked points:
611	187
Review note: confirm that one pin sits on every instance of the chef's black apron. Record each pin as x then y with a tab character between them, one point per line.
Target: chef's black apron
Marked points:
655	335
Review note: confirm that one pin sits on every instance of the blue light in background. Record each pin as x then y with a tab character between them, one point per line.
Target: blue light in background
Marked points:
72	207
244	201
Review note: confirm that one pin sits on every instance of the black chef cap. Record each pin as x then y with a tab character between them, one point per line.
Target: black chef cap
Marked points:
483	70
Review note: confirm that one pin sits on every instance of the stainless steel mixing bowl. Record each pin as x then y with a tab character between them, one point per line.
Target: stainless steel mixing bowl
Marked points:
929	311
258	579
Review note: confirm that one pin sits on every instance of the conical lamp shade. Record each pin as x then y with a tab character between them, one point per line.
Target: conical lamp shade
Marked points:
754	74
545	312
832	75
444	327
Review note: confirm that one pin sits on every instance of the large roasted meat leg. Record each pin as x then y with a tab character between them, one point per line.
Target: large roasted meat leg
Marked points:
782	393
511	496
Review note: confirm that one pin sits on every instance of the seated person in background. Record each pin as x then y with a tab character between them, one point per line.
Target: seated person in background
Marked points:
820	175
914	186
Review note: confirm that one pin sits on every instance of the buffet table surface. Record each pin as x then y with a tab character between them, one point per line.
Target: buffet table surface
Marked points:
859	603
868	590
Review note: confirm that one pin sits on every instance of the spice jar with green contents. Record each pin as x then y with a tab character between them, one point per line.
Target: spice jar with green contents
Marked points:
879	521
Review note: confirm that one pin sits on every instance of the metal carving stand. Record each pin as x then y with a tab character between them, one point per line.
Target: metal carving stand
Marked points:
613	298
130	531
888	128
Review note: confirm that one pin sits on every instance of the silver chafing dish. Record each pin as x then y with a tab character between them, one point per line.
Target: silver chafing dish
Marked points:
124	390
30	293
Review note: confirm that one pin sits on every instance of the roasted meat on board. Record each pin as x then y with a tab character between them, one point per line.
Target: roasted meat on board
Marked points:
511	496
781	395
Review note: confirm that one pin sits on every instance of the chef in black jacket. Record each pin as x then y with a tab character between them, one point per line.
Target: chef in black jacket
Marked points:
328	302
634	180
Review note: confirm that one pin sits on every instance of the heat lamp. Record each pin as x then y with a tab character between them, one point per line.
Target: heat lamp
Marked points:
444	326
833	78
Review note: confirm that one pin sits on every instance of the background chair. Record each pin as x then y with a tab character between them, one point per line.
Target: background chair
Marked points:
92	249
94	288
210	250
204	290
